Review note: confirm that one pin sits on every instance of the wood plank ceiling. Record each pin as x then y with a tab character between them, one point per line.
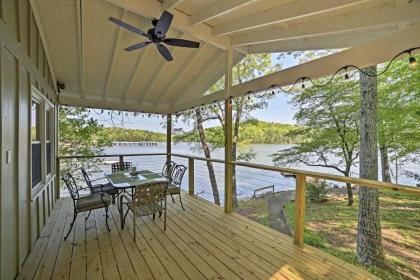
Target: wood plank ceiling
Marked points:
86	50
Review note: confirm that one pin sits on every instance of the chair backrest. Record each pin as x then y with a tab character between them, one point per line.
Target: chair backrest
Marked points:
178	174
169	165
117	166
71	185
148	196
87	179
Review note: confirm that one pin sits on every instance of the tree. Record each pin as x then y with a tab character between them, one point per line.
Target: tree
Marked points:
328	129
398	116
80	134
249	68
369	239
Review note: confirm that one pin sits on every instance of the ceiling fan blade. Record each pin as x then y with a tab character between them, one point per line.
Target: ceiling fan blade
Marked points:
164	52
181	43
163	24
128	27
137	46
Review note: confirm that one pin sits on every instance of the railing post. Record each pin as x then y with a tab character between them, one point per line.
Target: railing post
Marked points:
57	178
121	159
300	201
190	176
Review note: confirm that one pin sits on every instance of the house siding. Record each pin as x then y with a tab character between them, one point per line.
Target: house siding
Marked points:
23	67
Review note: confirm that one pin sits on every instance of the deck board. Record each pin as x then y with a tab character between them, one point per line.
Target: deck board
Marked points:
200	243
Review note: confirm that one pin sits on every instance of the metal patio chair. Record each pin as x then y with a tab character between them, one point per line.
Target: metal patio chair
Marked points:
147	200
121	166
104	188
168	169
174	186
85	203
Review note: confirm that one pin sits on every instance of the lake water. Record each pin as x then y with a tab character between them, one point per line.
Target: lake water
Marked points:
248	179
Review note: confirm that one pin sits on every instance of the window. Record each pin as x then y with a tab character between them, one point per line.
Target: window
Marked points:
48	122
36	145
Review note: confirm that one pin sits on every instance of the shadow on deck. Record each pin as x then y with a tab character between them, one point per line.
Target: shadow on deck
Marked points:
199	243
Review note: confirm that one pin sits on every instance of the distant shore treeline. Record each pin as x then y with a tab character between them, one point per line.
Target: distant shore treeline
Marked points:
251	132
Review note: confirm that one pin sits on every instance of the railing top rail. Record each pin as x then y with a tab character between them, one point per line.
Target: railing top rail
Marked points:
111	155
338	178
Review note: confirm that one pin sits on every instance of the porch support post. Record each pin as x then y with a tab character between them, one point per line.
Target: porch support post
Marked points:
300	209
228	135
168	138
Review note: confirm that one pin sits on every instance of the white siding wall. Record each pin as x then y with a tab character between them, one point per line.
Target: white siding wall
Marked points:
23	65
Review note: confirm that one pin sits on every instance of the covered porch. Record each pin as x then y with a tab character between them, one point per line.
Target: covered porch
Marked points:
56	53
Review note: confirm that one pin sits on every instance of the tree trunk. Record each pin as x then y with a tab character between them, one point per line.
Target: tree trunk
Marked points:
369	239
386	173
349	189
234	189
207	154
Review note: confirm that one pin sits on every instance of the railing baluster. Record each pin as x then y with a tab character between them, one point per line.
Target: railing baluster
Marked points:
191	176
300	209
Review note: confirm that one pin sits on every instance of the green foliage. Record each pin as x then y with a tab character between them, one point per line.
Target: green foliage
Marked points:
316	191
329	127
250	132
79	135
399	109
119	134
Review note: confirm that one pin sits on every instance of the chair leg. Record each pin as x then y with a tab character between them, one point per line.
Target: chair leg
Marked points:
71	225
173	200
106	218
180	200
134	226
90	211
164	217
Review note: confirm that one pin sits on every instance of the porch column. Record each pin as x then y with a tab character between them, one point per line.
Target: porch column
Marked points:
168	138
228	134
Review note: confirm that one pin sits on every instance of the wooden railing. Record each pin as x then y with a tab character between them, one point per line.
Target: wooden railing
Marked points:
301	177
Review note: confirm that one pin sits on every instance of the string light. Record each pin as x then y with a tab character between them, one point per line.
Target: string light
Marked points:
413	62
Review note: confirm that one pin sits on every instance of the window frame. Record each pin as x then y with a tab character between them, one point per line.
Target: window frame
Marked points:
44	121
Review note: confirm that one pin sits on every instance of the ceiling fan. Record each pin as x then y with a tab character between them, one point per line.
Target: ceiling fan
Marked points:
157	35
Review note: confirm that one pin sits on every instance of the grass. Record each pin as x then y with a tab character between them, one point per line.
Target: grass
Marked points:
331	226
255	209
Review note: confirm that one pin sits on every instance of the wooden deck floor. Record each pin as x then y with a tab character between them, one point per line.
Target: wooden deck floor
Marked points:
199	243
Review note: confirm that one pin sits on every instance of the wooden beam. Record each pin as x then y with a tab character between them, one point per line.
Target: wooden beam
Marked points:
168	138
137	68
283	13
80	24
371	53
114	55
364	20
181	21
216	9
300	199
228	135
169	4
157	71
182	70
337	41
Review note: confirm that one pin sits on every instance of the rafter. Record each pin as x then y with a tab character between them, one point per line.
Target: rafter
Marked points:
181	21
337	41
137	68
156	73
114	55
364	55
169	4
216	9
368	19
283	13
213	71
181	71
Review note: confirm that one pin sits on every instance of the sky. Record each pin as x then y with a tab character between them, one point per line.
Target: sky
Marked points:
278	109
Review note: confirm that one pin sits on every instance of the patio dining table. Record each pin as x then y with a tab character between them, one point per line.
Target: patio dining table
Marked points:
123	180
